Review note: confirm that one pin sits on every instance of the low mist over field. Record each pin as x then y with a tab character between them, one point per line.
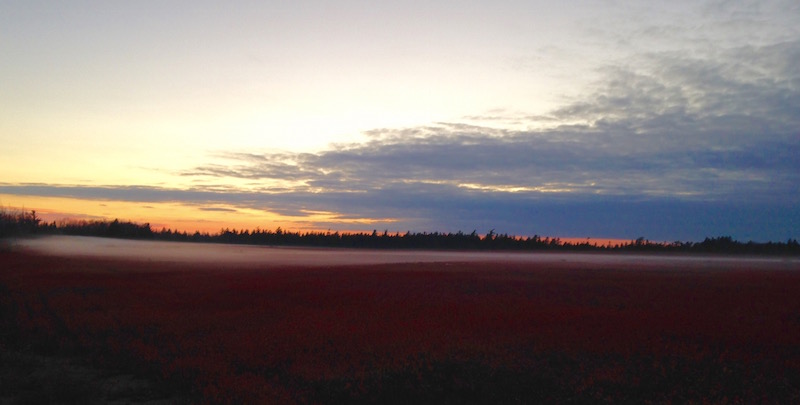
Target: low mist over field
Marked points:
244	255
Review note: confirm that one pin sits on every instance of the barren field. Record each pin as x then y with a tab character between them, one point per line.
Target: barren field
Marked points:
238	324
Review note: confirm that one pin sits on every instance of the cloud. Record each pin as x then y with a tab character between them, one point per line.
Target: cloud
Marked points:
217	209
668	146
689	130
431	207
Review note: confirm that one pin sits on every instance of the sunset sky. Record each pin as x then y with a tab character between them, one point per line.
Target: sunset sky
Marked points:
605	119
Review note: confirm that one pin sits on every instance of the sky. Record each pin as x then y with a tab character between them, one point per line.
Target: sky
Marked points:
602	119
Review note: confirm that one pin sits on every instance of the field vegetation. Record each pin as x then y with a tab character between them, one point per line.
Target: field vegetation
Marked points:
488	332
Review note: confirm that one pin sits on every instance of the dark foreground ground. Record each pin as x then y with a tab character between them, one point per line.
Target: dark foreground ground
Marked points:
82	330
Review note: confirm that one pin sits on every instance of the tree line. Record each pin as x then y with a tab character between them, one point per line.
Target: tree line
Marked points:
25	223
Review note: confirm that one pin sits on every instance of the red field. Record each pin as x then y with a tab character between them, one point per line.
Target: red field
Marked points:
476	332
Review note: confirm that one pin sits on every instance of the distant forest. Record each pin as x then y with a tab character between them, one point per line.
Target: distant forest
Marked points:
26	223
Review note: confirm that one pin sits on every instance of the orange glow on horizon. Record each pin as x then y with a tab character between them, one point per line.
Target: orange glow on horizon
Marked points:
597	241
176	216
211	219
172	215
